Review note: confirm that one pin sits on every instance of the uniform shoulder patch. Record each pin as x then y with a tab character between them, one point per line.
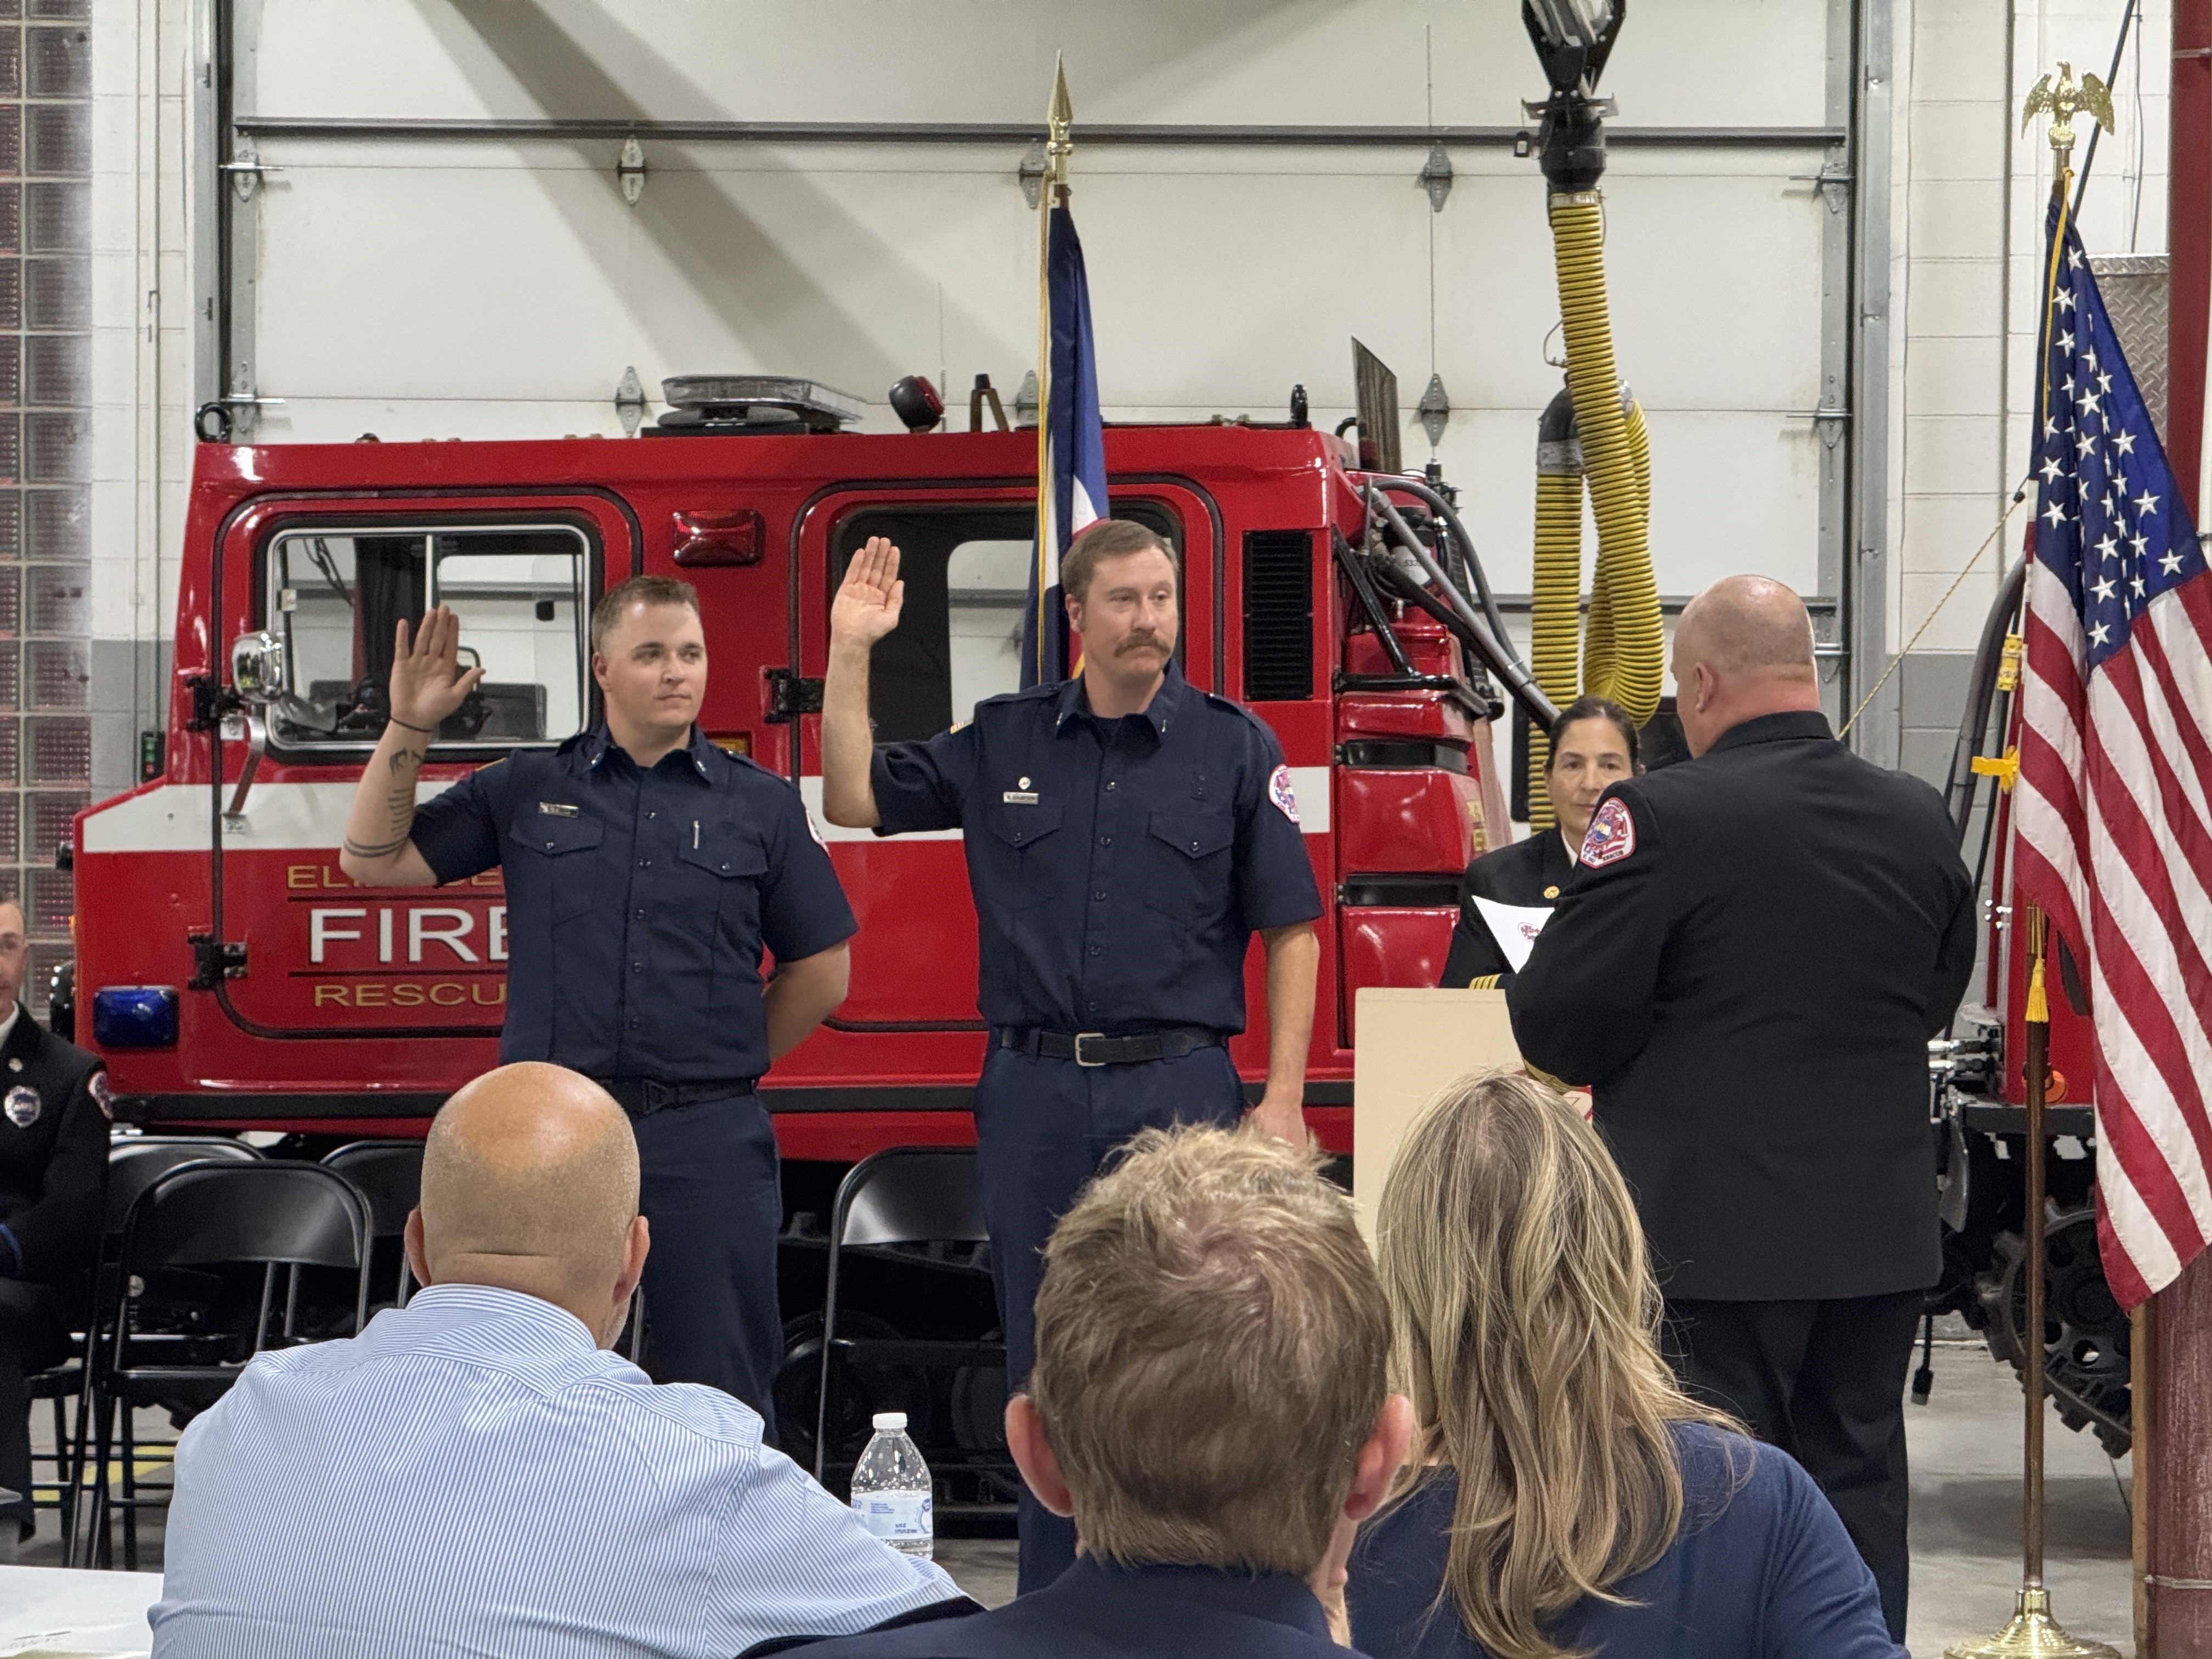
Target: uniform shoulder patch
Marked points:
1280	792
1612	834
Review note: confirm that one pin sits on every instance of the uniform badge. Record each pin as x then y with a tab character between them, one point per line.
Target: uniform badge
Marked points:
1280	793
1612	835
22	1106
102	1096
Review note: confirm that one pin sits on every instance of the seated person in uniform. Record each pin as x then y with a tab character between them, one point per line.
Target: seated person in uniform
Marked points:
1564	1496
1593	744
1208	1404
53	1179
476	1474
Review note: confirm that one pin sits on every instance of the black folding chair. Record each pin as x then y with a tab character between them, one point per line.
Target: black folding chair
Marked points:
902	1195
132	1164
209	1217
390	1176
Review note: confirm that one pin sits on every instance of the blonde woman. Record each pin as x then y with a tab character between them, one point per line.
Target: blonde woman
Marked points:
1564	1498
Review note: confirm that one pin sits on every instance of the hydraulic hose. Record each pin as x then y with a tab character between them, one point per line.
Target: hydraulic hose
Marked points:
1623	651
1555	621
1444	509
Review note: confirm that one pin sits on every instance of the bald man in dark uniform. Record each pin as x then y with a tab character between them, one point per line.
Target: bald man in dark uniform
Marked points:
1746	965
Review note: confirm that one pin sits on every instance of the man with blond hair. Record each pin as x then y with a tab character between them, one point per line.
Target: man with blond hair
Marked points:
476	1474
1208	1405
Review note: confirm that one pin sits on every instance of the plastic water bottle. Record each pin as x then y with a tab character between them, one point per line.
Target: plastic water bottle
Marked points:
892	1490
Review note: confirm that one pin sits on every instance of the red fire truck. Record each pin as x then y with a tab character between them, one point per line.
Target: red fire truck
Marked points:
232	977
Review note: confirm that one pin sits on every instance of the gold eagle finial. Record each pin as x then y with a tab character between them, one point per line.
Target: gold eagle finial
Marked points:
2062	100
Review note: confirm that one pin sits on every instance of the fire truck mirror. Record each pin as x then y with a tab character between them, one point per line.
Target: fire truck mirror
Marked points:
258	667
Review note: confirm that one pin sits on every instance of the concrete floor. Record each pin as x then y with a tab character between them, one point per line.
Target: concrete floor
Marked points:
1966	1518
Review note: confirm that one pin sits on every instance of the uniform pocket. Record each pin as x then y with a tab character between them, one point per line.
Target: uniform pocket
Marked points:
1188	861
724	864
544	863
1017	856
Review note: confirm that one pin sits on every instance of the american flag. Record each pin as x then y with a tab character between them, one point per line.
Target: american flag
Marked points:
2113	805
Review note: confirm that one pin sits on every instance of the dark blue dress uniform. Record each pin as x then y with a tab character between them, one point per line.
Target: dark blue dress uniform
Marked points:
1120	869
1748	964
1098	1611
1527	874
53	1184
638	902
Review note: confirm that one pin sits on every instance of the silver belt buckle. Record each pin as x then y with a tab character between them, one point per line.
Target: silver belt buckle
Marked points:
1082	1038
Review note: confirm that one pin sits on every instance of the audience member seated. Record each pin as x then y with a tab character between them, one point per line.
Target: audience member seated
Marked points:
1207	1404
1565	1496
53	1181
476	1474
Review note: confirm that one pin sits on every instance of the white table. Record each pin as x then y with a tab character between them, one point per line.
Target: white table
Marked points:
62	1610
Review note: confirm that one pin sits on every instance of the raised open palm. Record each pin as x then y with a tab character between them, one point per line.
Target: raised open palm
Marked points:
869	599
428	683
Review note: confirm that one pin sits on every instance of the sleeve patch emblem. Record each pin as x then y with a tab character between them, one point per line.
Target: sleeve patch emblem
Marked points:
1612	835
1284	797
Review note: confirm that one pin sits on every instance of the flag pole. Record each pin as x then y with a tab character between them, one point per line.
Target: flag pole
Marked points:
1052	191
2031	1633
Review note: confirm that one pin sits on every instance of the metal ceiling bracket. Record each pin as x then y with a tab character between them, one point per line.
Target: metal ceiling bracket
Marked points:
1434	407
1032	171
629	401
246	172
1435	178
629	170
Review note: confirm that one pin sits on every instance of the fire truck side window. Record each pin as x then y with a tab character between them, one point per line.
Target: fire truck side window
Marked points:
335	596
959	638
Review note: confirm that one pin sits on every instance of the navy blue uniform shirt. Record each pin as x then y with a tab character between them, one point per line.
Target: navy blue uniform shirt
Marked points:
1120	867
1761	1569
638	902
1121	1612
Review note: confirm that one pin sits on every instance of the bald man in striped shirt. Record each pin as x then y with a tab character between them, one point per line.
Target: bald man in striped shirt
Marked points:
476	1474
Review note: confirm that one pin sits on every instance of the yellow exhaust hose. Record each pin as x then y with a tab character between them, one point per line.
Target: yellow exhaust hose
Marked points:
1554	618
1623	652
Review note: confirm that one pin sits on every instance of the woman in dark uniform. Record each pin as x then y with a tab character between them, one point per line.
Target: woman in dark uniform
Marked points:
1594	744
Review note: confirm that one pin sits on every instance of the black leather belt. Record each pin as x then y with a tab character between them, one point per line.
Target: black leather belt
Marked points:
642	1097
1097	1049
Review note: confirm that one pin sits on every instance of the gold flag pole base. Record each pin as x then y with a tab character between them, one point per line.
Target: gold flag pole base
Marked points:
2032	1634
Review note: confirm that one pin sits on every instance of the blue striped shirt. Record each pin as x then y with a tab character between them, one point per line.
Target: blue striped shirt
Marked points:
473	1476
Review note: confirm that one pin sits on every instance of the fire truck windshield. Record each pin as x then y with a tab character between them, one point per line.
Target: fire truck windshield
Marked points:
335	594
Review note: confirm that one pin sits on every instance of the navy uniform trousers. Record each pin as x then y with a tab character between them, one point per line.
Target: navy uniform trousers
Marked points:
709	1188
1042	1127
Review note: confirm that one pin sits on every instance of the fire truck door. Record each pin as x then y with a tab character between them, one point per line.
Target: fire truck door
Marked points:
964	562
321	956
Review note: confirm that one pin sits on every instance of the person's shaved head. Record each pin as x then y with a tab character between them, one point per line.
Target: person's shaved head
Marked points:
1743	648
530	1182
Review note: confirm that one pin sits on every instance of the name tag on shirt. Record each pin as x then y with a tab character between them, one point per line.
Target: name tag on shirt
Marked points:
1515	926
1019	798
554	809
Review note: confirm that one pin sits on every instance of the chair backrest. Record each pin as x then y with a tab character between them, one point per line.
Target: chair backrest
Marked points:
910	1195
390	1176
133	1165
268	1213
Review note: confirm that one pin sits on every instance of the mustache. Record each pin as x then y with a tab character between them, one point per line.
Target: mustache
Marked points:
1138	642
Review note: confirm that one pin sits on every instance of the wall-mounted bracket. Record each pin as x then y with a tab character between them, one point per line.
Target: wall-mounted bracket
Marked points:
629	170
1032	171
1435	409
1435	178
629	402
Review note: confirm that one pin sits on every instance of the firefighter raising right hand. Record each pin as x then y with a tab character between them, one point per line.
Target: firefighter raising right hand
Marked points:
865	610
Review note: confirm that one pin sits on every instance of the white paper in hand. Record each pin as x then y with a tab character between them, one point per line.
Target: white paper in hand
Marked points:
1515	926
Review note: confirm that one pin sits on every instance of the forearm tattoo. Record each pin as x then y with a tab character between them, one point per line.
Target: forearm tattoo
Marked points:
399	806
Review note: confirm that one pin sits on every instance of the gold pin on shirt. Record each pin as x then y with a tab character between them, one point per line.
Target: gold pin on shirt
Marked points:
1551	892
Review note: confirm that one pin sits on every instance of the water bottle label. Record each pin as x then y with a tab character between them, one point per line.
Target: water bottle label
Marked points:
894	1515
